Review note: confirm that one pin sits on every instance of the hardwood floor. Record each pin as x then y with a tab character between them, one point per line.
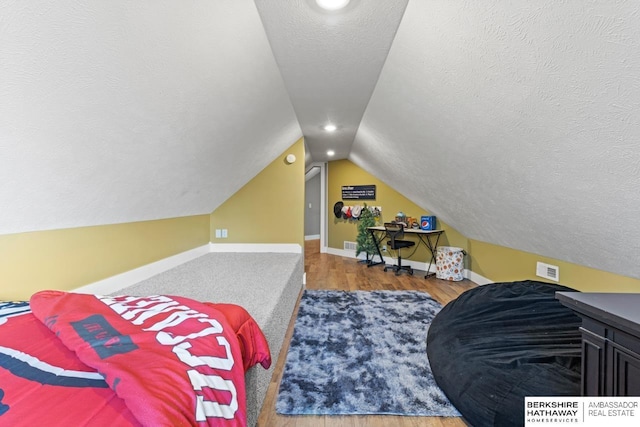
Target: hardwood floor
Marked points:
334	272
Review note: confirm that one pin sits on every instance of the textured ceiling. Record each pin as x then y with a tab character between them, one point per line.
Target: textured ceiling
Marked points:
517	123
122	111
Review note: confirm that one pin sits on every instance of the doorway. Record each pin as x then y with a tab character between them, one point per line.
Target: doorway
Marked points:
315	204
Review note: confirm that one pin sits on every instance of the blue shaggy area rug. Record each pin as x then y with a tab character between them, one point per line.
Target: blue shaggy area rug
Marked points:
362	353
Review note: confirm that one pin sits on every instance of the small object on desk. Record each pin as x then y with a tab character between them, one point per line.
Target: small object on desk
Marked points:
428	222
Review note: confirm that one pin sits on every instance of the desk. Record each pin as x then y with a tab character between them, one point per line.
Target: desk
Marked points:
378	233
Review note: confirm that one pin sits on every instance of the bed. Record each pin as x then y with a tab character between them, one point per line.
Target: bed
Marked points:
496	344
79	359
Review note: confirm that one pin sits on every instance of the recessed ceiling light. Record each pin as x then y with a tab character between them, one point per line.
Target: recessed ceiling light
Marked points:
331	153
330	128
332	4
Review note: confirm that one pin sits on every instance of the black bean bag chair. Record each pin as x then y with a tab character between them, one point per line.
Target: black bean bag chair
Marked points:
496	344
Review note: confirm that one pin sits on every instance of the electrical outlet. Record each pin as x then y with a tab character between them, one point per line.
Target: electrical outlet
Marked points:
224	233
218	233
384	248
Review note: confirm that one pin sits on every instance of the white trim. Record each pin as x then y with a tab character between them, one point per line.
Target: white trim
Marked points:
131	277
311	172
312	237
476	278
323	208
418	265
346	254
256	247
468	274
128	278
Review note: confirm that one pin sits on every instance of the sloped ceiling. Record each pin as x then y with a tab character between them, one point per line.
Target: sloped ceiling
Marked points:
123	111
330	62
515	122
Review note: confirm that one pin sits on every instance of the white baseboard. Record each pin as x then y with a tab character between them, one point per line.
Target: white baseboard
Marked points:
476	278
418	265
468	274
131	277
312	237
346	254
128	278
256	247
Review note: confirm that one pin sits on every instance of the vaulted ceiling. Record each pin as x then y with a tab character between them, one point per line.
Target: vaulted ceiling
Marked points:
515	122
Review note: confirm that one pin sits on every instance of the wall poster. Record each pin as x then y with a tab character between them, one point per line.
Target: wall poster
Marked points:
358	192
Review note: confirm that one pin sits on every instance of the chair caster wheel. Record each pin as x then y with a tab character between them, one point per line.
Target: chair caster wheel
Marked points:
384	269
411	272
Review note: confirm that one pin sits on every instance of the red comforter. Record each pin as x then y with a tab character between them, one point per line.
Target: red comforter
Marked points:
157	361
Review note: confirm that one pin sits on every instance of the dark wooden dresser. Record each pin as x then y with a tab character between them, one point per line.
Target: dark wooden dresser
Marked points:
610	341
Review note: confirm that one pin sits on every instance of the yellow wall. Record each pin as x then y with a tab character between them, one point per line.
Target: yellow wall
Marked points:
501	264
496	263
344	172
70	258
269	208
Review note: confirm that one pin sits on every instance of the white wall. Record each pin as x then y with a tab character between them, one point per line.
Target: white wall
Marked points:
121	111
517	123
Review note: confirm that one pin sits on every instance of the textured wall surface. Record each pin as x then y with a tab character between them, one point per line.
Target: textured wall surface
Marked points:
517	123
124	111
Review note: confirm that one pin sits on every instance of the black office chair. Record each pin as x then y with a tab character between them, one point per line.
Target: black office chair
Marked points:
395	231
